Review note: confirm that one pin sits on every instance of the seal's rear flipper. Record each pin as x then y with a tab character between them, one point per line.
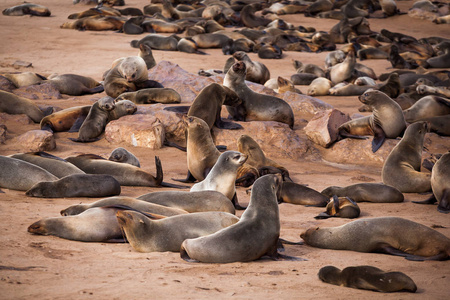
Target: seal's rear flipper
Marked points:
430	200
176	186
184	255
77	124
221	147
189	178
444	203
84	141
175	145
95	90
159	171
236	203
388	249
47	127
227	125
278	256
289	242
181	109
378	139
322	215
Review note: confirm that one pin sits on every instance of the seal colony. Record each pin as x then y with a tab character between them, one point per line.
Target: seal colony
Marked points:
393	86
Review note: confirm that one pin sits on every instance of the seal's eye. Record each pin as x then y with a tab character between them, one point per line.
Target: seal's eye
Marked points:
365	94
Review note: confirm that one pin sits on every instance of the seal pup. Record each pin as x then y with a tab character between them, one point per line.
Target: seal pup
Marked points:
388	235
319	87
401	168
191	201
386	121
121	108
255	235
340	207
440	184
368	278
222	176
75	85
21	175
122	155
76	185
256	72
295	193
255	106
69	119
366	192
13	104
167	234
343	71
151	96
53	164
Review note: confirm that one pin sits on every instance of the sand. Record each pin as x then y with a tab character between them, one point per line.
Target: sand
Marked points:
46	267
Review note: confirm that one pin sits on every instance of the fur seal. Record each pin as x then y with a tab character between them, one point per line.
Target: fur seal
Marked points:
427	107
302	78
157	42
255	235
25	79
255	106
389	235
366	192
342	71
53	164
319	87
340	207
334	57
299	194
368	278
125	202
122	155
401	168
76	185
75	85
440	179
387	120
256	72
13	104
150	96
222	176
96	23
441	61
69	119
21	175
121	108
249	19
188	45
191	201
167	234
440	91
27	9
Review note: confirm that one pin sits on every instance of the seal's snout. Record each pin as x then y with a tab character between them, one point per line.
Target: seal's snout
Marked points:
123	217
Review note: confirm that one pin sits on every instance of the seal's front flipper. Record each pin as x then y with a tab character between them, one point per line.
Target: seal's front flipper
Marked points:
430	200
236	203
322	215
278	256
378	138
444	203
175	186
228	125
181	109
172	144
189	178
77	124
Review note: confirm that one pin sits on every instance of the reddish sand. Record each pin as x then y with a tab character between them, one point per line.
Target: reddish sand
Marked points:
63	269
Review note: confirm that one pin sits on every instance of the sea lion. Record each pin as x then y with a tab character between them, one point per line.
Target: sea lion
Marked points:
167	234
76	185
255	106
69	119
366	192
25	79
334	57
53	164
255	235
256	71
249	19
372	53
425	89
284	85
161	26
368	278
308	68
147	55
440	124
401	168
95	121
319	87
427	107
302	78
342	71
27	9
389	8
441	61
157	42
94	225
299	194
191	201
388	235
222	176
440	184
122	155
398	62
121	108
125	202
150	96
387	120
95	23
13	104
211	40
75	85
340	207
342	89
188	45
21	175
133	25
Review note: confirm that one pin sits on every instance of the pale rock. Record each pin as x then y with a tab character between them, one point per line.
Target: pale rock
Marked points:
322	129
34	141
139	130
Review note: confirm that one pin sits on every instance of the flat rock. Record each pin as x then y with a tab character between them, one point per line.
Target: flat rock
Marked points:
20	118
276	139
322	129
35	140
38	91
22	64
139	130
2	133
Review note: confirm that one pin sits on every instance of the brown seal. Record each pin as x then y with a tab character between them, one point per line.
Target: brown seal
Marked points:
340	207
95	23
27	9
250	19
368	278
69	119
121	108
441	61
389	235
401	168
255	106
150	96
343	71
13	104
299	194
122	155
76	185
256	71
25	78
167	234
21	175
255	235
366	192
75	85
211	40
188	45
157	42
427	107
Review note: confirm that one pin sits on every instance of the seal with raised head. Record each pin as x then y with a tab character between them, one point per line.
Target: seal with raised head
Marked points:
21	175
343	71
122	155
386	121
401	168
255	106
76	185
256	71
167	234
69	119
255	235
13	104
191	201
366	192
368	278
388	235
340	207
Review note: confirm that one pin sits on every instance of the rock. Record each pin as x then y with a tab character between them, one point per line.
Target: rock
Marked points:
303	106
139	130
276	139
21	118
2	133
38	91
6	85
323	127
22	64
35	140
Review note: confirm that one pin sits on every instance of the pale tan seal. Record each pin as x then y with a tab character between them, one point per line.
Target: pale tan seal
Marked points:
122	155
343	71
389	235
121	108
427	107
150	96
319	87
366	192
340	207
25	78
167	234
401	168
13	104
368	278
75	85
